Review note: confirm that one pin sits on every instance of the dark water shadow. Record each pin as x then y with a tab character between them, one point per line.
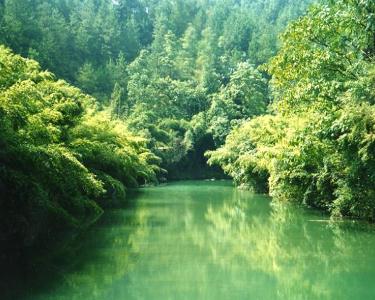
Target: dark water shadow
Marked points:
44	267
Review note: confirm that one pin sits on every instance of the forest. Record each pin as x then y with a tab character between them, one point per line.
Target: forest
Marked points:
101	96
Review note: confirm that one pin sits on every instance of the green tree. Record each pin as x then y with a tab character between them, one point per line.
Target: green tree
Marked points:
61	160
318	147
245	96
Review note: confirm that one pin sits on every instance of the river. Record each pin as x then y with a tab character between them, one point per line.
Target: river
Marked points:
207	240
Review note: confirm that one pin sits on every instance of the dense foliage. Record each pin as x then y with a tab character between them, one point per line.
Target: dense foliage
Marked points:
317	147
161	82
198	79
61	161
180	72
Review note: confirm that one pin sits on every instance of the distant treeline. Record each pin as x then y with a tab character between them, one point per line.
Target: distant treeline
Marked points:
182	73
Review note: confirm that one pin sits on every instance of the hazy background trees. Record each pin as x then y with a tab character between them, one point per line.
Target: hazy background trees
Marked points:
154	61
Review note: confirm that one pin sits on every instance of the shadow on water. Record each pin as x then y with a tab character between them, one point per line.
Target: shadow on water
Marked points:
204	240
39	269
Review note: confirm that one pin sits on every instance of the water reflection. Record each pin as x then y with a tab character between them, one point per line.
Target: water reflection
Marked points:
203	240
306	255
108	253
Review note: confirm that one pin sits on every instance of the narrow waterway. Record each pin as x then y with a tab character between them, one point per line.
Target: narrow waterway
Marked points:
207	240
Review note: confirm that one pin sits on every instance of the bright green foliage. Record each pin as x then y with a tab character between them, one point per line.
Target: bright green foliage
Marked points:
204	66
170	79
319	147
155	60
245	155
245	96
59	156
106	146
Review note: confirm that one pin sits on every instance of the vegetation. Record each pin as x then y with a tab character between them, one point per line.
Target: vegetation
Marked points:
178	72
158	83
61	161
317	144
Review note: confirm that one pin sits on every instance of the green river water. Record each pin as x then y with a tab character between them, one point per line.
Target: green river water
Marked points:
207	240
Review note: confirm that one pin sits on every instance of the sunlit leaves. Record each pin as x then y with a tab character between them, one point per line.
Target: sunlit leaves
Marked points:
318	147
59	154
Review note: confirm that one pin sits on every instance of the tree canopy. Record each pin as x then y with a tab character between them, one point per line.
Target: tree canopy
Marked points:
136	92
61	160
316	147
